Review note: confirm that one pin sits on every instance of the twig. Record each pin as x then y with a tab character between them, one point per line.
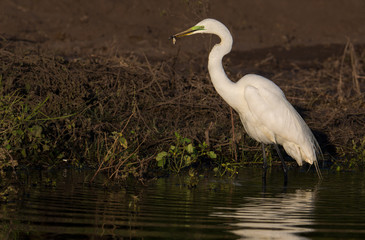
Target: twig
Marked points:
207	141
340	82
234	147
354	65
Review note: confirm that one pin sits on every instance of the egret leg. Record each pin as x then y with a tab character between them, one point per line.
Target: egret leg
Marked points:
284	165
264	165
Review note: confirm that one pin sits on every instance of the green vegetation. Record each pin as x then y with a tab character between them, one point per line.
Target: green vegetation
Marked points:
183	154
354	155
21	133
358	153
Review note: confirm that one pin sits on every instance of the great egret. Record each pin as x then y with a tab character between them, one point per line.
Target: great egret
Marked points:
265	113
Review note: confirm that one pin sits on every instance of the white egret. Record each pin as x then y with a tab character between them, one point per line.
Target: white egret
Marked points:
266	114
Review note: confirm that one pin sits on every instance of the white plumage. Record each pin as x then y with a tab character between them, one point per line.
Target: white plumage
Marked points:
266	114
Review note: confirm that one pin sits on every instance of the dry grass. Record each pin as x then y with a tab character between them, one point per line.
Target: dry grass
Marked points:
122	110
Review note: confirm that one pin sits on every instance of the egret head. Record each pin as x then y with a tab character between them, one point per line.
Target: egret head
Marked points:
205	26
193	30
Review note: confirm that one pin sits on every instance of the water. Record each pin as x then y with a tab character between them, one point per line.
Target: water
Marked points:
168	209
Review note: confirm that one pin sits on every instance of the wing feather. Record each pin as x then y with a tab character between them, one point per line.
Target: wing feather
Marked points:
273	117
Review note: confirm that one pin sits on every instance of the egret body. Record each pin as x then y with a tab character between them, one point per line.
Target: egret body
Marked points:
265	113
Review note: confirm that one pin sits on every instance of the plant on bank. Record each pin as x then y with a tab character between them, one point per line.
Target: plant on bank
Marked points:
21	133
182	154
118	156
355	155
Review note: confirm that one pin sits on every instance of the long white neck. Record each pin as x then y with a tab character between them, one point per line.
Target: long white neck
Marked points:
222	84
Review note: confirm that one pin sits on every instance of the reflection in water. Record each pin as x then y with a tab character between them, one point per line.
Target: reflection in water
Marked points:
217	208
280	217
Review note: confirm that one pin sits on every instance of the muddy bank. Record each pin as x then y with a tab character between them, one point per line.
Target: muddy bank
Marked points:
100	27
99	83
117	112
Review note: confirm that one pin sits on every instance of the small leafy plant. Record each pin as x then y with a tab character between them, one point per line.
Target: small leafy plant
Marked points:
355	154
182	154
21	133
228	168
357	158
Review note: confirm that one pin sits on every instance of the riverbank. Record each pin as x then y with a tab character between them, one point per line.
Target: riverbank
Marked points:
117	113
99	84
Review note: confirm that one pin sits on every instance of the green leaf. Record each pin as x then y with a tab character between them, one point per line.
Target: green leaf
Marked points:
45	147
36	131
161	159
177	135
190	148
161	155
203	145
187	160
24	153
187	140
123	142
212	154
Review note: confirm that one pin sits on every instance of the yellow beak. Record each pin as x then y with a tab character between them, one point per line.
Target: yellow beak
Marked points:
186	33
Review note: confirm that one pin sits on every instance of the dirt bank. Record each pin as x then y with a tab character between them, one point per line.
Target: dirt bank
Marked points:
99	82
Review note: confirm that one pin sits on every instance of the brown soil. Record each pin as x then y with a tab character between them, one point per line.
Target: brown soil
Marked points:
114	58
106	27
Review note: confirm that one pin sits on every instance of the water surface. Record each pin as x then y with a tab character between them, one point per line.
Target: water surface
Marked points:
70	208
